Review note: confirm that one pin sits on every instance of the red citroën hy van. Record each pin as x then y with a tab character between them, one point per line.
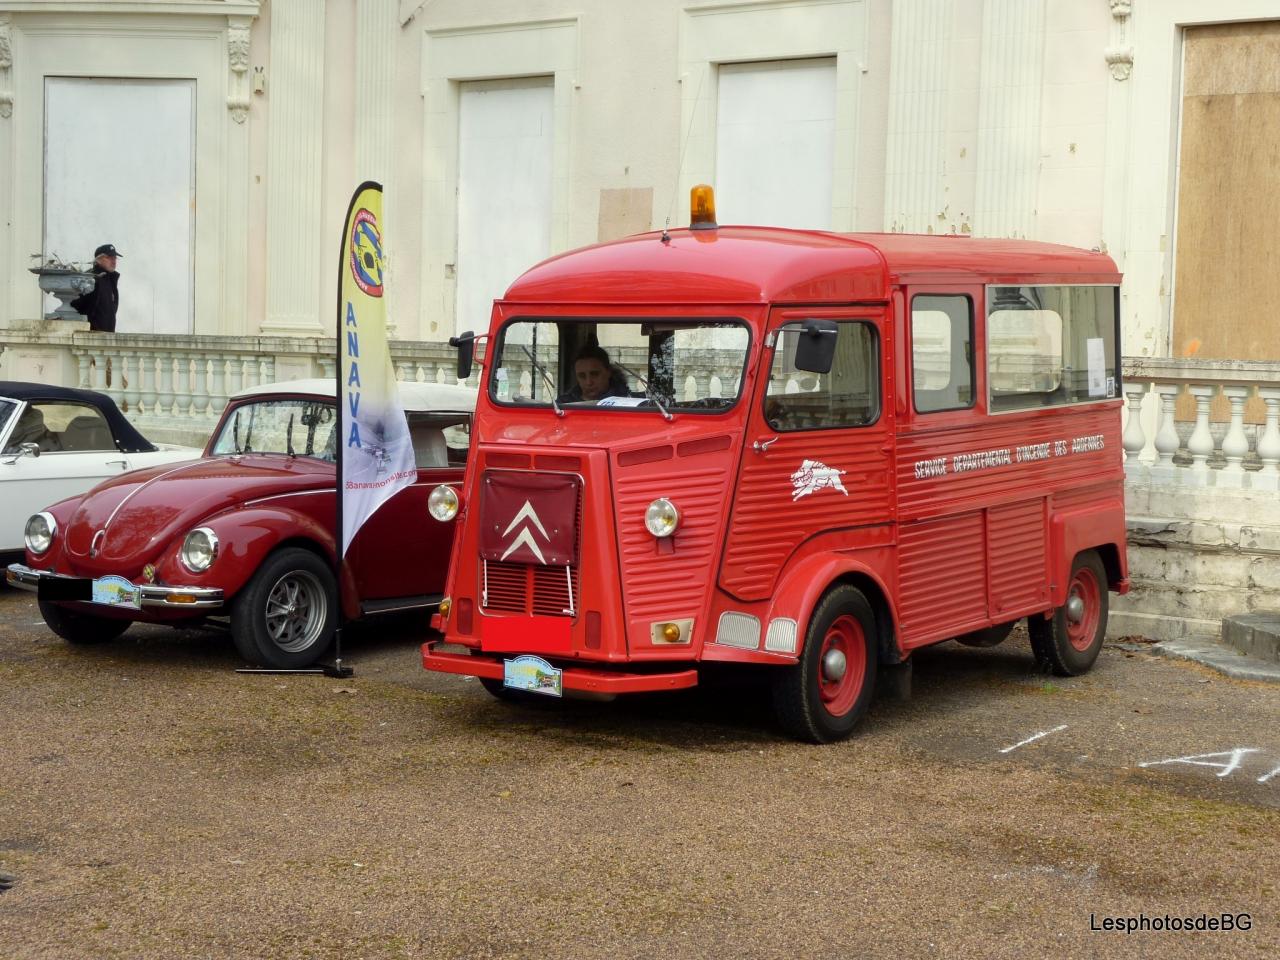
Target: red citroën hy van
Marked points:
810	451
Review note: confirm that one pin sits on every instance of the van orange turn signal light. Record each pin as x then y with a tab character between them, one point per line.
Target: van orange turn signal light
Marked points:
702	208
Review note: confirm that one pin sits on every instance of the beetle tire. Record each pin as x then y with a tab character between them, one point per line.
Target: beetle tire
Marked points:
82	629
1069	648
992	636
810	702
257	611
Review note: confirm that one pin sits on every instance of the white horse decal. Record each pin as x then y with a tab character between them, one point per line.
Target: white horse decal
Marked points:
814	475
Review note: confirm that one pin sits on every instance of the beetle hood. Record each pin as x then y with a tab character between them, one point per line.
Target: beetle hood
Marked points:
123	523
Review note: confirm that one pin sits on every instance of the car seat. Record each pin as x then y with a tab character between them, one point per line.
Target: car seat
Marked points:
87	433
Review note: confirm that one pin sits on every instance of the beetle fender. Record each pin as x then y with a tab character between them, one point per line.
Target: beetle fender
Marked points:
803	584
245	539
1072	531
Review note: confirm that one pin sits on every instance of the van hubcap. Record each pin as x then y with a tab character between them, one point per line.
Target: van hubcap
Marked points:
842	665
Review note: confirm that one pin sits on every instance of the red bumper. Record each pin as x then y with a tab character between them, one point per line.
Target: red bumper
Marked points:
575	678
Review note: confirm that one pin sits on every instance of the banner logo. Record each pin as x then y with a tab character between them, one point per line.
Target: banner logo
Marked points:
366	253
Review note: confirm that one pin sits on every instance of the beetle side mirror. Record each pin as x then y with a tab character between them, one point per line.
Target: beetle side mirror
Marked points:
816	347
466	344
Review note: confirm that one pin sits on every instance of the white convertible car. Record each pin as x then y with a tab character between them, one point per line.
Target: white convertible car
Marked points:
56	442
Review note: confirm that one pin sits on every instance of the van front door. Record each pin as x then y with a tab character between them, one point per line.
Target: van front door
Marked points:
818	453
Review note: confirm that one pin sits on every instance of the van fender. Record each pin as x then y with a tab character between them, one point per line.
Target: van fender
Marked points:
803	584
1074	531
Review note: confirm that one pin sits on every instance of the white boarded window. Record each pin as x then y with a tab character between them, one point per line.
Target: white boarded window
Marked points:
505	136
775	143
120	168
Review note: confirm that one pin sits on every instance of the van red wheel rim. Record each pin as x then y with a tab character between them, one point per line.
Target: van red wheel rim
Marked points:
842	664
1083	609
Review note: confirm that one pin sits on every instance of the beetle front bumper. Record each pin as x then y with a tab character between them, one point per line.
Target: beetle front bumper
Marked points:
152	594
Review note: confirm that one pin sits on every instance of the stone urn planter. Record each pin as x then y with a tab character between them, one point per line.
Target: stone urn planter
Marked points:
66	282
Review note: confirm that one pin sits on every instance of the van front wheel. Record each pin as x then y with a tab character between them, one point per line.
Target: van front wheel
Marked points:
1069	641
822	698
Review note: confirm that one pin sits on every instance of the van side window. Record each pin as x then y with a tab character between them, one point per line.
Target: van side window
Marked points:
1048	346
848	396
942	352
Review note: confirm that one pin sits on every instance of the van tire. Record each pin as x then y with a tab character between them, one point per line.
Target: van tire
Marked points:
822	697
1068	642
992	636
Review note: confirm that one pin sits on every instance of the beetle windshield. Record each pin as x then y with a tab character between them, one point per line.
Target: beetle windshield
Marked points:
668	365
294	427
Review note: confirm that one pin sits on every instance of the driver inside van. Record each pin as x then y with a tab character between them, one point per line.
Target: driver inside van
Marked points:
595	377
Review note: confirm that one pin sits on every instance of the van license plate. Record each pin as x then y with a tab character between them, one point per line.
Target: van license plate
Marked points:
533	675
116	591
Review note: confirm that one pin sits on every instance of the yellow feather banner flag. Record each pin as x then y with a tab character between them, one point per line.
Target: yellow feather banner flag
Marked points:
375	453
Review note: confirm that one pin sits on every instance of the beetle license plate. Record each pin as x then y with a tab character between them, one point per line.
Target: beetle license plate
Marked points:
533	675
116	591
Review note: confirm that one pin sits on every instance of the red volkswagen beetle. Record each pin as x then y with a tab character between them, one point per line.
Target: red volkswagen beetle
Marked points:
247	531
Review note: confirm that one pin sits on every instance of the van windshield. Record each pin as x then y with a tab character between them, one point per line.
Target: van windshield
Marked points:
691	365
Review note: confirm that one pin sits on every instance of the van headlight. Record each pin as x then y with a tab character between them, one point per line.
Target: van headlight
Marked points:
662	518
199	550
443	503
39	533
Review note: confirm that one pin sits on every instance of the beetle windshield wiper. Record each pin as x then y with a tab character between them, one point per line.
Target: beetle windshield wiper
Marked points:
547	378
648	394
288	438
235	434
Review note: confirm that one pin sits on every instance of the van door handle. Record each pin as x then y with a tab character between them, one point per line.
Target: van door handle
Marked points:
760	446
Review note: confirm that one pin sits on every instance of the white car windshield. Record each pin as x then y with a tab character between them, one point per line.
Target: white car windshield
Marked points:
293	427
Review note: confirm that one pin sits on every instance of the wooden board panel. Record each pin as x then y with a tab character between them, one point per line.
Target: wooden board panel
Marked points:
1228	194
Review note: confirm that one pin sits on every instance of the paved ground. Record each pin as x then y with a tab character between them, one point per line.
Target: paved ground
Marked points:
153	803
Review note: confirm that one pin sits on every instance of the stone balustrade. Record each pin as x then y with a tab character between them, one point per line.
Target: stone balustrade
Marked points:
175	387
1227	433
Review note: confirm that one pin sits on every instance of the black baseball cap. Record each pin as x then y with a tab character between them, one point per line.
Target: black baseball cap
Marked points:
107	250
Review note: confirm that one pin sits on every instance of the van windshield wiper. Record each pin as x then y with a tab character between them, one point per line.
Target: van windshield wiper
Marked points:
648	394
547	378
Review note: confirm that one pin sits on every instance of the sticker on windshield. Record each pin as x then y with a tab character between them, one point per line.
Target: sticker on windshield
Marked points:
814	475
621	401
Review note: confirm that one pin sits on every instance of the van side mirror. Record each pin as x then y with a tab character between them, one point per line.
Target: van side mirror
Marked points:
816	347
466	344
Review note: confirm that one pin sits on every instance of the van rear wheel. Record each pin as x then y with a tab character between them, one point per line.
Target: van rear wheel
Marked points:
1068	642
822	698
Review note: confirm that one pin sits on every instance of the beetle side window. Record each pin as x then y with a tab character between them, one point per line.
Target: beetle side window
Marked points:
847	396
1048	346
942	352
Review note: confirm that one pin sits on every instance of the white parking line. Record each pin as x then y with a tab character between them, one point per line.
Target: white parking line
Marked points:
1034	737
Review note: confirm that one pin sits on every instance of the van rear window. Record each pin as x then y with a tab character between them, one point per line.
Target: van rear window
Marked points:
1050	345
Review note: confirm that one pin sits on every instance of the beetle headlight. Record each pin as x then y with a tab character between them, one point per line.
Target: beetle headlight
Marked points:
199	550
443	503
40	532
662	518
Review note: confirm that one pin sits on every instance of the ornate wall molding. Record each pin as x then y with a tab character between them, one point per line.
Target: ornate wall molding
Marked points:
1119	55
6	66
238	63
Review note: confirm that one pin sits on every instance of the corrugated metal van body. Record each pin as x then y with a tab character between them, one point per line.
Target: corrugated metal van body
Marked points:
973	540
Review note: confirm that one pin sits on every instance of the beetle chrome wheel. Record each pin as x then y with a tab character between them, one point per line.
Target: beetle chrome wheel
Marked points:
295	611
841	665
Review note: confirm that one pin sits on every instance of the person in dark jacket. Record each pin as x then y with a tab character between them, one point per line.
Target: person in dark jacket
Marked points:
596	378
100	303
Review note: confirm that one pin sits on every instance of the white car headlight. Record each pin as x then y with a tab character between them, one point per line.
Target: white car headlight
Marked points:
199	550
662	518
40	531
443	503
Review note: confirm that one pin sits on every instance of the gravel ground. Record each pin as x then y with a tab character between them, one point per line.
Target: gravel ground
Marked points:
153	803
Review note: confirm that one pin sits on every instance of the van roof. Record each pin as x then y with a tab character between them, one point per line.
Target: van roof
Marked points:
775	265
